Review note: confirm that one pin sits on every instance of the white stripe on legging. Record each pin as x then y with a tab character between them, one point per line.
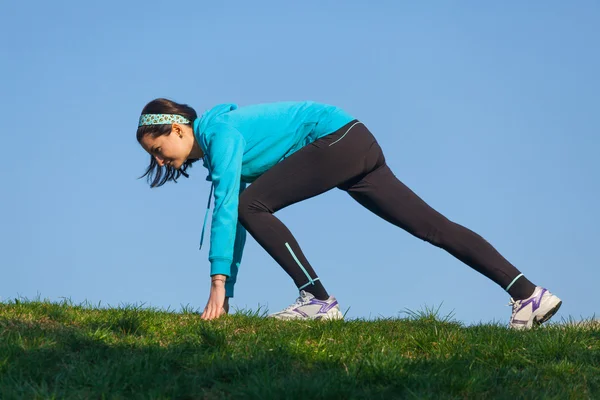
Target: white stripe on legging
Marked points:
310	280
356	123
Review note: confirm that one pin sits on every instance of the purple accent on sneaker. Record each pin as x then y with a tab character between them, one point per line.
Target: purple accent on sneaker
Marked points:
535	301
325	306
329	306
300	312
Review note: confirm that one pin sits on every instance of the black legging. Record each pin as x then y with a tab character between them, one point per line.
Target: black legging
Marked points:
351	160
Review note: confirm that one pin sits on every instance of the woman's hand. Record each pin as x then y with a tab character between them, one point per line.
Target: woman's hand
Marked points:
217	304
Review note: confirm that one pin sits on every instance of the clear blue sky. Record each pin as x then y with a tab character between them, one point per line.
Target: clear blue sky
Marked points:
490	112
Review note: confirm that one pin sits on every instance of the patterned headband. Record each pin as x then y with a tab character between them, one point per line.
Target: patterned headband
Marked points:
160	119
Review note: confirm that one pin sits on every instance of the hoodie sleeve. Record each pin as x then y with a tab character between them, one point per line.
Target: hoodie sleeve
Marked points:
225	151
238	251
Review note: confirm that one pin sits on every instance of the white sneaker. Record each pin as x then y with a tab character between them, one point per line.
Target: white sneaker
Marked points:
308	307
536	309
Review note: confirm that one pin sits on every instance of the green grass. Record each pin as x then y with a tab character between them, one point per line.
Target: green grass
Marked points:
61	350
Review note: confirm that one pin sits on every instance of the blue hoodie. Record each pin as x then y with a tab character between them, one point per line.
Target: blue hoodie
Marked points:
239	145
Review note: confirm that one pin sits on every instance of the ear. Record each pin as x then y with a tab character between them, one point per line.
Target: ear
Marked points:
176	128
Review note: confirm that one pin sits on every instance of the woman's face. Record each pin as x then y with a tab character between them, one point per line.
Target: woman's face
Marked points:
173	149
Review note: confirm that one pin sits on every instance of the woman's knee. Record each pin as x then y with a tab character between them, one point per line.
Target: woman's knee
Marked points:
249	205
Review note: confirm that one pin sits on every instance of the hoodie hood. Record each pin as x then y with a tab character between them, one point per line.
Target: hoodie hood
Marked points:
201	124
209	117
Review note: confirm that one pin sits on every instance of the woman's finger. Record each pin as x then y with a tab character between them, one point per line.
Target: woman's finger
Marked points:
215	312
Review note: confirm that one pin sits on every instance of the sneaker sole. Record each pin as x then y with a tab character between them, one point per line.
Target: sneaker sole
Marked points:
540	320
332	315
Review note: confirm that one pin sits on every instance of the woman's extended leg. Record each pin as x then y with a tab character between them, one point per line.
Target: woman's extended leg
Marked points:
383	194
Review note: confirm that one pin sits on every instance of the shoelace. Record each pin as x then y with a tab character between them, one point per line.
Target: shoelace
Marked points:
513	303
299	302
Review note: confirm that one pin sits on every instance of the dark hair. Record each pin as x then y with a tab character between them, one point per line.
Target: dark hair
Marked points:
157	175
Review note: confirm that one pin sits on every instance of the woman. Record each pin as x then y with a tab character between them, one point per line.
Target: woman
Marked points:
289	152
